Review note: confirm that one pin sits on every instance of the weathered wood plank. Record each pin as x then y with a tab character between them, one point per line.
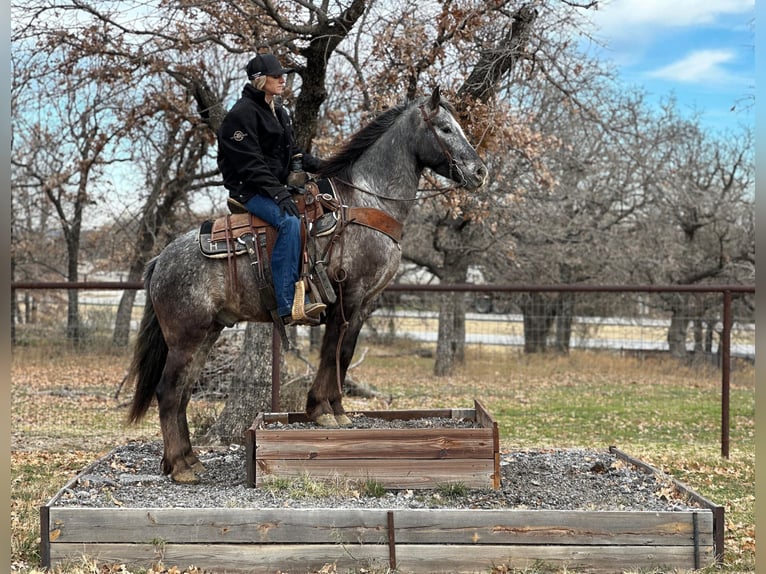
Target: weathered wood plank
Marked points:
324	453
592	559
266	558
410	558
719	522
438	443
408	415
369	526
219	525
485	419
558	527
482	415
392	473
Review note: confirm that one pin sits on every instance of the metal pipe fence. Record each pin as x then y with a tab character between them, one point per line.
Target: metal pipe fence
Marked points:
704	322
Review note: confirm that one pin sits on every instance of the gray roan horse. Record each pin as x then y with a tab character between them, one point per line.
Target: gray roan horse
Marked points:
188	301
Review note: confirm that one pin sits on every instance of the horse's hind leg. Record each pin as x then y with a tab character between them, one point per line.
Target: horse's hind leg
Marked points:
184	361
192	374
183	425
169	399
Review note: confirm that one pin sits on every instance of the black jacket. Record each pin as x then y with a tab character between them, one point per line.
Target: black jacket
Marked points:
255	147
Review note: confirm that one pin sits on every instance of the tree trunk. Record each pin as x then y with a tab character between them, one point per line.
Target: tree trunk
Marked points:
709	331
538	319
450	343
679	322
460	309
564	311
699	337
73	324
249	389
121	334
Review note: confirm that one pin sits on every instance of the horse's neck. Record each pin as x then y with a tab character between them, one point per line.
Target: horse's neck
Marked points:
389	175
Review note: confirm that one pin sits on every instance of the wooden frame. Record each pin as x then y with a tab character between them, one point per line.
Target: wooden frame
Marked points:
257	540
410	540
395	458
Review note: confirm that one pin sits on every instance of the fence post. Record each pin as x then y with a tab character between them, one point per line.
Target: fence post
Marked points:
276	351
725	372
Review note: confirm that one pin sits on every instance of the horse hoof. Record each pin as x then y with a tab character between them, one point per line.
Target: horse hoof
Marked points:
185	477
343	420
198	467
326	421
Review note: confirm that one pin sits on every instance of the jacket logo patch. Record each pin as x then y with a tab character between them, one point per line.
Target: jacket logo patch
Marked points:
238	136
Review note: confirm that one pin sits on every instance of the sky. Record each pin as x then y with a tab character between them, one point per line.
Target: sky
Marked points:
702	52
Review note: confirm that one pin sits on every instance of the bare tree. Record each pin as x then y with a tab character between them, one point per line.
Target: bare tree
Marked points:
63	152
576	164
172	175
701	219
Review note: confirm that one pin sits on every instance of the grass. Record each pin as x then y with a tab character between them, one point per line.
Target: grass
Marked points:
663	412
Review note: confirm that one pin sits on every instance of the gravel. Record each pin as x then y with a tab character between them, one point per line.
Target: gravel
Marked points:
555	479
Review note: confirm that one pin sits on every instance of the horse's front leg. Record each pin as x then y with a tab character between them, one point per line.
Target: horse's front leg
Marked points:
324	403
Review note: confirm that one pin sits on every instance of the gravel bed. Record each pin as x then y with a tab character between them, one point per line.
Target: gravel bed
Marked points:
556	479
359	421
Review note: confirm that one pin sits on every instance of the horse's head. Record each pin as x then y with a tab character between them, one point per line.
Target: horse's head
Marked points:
444	147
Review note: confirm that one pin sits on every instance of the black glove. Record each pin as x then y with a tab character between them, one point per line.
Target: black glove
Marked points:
284	198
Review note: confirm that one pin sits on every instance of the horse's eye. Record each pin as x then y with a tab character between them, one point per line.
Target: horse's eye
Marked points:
446	130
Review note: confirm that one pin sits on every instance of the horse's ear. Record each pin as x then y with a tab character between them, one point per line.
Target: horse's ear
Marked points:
435	99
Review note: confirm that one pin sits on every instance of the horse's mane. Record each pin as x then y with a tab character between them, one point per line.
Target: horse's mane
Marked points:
360	141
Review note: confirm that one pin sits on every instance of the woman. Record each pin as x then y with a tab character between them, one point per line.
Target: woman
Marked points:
255	146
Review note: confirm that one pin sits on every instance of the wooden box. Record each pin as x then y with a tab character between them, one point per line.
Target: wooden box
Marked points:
395	458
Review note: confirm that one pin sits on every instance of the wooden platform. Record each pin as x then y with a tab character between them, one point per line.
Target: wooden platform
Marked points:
395	458
301	540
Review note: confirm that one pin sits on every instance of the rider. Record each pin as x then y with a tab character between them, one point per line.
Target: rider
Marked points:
255	147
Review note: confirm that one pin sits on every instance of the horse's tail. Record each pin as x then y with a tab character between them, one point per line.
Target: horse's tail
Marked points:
149	356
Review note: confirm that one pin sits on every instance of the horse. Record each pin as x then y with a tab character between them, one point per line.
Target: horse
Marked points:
188	300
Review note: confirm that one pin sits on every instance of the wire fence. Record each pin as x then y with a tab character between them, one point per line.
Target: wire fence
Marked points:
711	327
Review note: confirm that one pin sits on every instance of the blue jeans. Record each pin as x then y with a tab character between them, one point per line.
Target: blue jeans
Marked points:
285	259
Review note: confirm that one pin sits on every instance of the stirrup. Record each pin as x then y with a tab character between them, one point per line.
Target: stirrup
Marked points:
301	312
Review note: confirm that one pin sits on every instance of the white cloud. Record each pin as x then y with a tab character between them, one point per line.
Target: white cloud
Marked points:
701	66
615	17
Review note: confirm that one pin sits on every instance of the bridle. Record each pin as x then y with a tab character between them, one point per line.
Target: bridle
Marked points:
428	119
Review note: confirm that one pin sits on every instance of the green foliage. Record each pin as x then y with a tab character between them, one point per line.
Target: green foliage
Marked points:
452	490
373	488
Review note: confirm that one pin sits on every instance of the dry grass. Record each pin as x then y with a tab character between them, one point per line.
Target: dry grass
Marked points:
656	409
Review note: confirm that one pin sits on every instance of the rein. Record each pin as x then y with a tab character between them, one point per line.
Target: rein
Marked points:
436	192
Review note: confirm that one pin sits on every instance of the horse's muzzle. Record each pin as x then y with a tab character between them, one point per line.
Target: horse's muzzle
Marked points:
475	176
